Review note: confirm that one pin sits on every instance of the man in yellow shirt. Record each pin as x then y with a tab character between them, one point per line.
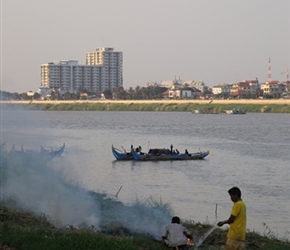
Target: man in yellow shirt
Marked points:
238	221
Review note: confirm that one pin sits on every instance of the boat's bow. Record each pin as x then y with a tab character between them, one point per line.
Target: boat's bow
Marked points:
120	155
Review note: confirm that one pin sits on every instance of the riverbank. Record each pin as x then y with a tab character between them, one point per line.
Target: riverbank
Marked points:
209	106
163	101
22	230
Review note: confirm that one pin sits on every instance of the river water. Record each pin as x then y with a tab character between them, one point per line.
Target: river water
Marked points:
250	151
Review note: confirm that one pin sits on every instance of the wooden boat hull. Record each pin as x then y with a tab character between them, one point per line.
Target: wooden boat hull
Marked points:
42	155
169	157
122	156
50	154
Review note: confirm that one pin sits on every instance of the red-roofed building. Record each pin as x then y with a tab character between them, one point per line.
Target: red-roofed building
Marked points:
273	88
245	89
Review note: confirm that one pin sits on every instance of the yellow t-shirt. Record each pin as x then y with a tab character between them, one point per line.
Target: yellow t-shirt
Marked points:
237	230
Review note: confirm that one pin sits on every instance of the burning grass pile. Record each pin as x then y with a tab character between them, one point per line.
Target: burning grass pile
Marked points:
24	230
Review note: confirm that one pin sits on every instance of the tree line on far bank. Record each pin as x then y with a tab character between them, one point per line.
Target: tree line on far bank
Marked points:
138	93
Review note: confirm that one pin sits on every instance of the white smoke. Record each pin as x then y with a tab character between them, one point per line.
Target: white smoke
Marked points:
35	186
31	184
38	188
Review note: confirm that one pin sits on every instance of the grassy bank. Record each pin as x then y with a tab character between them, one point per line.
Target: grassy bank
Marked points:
22	230
152	106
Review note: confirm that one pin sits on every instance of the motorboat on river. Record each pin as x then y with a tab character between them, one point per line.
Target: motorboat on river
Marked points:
158	154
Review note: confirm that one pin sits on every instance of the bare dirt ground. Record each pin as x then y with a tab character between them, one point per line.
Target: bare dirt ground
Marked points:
240	101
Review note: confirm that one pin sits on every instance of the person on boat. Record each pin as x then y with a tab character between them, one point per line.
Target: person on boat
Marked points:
238	220
176	236
171	148
139	150
177	151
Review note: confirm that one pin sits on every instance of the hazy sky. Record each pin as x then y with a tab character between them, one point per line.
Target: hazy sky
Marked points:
216	41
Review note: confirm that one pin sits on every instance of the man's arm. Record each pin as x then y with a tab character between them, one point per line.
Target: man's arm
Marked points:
228	221
187	233
189	236
164	234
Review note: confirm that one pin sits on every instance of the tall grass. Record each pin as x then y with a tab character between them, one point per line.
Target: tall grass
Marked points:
165	107
23	230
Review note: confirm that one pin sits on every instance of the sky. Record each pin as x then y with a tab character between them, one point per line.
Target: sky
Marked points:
214	41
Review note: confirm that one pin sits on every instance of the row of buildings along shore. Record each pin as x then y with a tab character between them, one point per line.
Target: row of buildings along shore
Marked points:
104	71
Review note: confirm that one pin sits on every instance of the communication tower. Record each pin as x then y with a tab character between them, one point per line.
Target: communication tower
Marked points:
269	71
287	75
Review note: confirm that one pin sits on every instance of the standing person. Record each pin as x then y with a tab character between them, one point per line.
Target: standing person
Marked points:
238	221
176	235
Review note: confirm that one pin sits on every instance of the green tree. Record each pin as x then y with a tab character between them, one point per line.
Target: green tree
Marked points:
108	94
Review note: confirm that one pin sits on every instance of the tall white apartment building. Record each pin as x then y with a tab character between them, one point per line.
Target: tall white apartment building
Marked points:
103	71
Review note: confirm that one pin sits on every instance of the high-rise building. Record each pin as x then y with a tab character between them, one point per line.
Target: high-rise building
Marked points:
103	71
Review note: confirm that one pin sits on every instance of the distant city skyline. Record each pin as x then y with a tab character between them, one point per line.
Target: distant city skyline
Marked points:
217	42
